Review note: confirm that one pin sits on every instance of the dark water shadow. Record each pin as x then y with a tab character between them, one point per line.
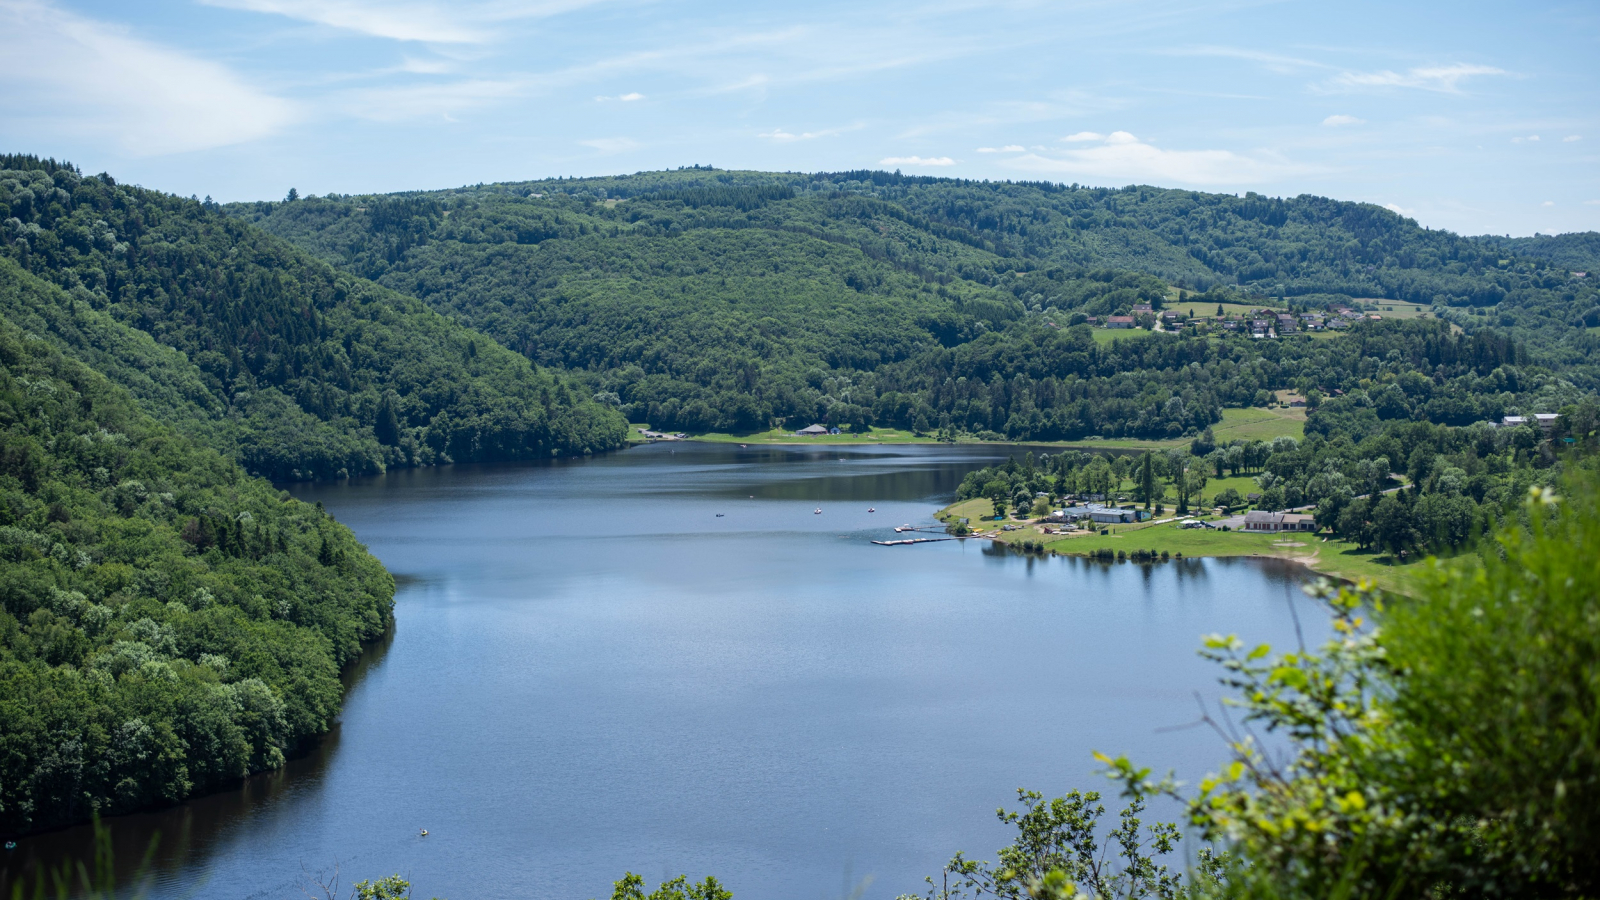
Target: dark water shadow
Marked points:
188	831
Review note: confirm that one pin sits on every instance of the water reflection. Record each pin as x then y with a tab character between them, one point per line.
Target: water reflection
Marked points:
173	839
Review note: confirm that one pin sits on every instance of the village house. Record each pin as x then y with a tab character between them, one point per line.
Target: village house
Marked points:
1258	520
812	430
1119	321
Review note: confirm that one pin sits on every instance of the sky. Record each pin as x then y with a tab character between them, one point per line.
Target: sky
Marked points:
1476	117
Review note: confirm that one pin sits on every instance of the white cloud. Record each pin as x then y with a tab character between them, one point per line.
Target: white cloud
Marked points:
611	145
1009	148
1123	157
624	98
427	22
784	137
1446	79
1273	61
1548	203
1591	203
1530	138
398	104
70	75
1084	136
1338	120
1571	138
916	161
1397	209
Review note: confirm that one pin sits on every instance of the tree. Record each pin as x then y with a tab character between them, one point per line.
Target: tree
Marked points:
631	887
1147	479
1057	854
1227	498
1393	525
1220	313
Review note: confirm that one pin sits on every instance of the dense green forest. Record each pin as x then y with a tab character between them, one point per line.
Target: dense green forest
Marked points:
168	624
297	370
1578	251
709	300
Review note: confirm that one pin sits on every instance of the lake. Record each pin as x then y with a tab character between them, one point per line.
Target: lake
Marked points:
593	672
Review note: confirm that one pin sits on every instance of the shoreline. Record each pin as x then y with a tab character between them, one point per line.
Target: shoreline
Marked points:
1322	554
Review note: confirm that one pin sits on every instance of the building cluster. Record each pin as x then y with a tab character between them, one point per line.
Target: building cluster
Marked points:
1263	323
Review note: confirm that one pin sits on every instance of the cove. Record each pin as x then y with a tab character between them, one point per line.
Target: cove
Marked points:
592	672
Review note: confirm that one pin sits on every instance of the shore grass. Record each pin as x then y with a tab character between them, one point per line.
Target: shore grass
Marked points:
1322	554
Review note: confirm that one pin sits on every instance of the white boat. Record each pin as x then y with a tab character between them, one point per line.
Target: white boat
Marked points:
817	511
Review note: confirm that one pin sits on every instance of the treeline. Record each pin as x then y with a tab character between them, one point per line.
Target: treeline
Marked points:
294	368
168	624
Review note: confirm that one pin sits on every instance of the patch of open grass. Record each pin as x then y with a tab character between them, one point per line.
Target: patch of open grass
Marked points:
1322	554
1257	424
972	510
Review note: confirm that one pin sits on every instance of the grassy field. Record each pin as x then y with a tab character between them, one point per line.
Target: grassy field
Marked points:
1324	555
1256	424
1105	336
1209	310
1394	309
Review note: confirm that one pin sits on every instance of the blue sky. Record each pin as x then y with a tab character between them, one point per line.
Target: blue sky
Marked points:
1478	117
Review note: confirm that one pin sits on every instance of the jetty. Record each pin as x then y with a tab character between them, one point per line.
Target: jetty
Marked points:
905	541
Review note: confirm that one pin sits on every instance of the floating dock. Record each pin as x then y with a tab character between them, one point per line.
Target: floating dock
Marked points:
911	541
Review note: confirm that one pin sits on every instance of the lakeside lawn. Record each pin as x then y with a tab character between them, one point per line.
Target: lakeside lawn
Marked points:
1322	554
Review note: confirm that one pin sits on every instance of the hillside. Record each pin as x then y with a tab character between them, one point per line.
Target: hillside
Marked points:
296	369
168	624
1578	251
723	300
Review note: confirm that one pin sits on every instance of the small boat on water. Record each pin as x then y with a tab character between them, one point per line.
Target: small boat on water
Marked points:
719	515
422	833
817	511
872	509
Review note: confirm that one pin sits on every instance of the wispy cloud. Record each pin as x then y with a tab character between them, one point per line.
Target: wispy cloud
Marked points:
440	100
76	76
622	98
1526	139
1444	79
611	145
784	137
1009	148
1123	157
1399	210
424	22
916	161
1277	62
1082	136
1571	138
1340	120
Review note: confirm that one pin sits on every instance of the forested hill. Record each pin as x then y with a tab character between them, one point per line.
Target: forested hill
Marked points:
270	355
1578	251
168	624
705	299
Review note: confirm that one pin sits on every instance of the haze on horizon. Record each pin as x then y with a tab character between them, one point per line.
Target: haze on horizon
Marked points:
1475	117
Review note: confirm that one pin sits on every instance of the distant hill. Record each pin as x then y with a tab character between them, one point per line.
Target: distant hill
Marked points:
1578	251
707	299
294	368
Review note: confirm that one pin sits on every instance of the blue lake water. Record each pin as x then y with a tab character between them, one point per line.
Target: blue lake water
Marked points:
593	673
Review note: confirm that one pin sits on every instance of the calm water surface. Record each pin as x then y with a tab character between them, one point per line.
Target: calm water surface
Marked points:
593	673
